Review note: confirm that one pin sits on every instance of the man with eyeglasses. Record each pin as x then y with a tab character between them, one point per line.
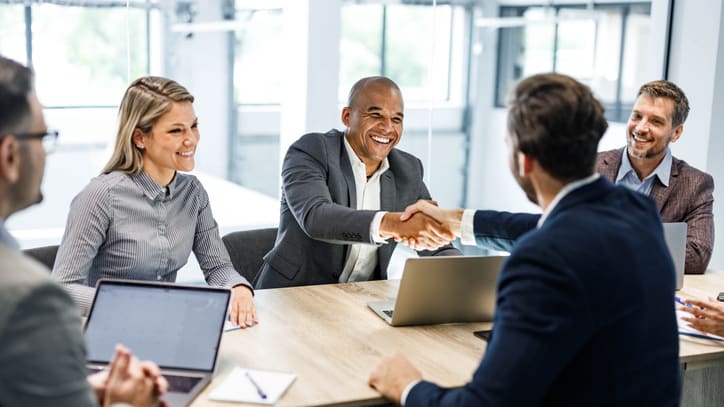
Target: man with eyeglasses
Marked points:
42	355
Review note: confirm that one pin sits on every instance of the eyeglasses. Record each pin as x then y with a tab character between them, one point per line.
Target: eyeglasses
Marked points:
49	139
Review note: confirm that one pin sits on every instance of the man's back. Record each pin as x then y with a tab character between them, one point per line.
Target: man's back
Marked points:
586	306
42	358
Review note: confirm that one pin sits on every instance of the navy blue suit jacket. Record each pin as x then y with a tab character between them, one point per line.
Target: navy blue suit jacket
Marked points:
585	310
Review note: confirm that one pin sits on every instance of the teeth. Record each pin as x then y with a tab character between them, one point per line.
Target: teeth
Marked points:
186	154
638	138
381	140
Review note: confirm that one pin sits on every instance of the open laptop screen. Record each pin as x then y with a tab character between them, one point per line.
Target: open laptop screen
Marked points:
175	326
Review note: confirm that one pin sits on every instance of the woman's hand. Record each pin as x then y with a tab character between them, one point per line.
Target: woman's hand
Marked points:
242	312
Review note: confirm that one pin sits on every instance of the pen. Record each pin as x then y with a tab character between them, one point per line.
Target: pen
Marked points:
702	336
258	389
680	301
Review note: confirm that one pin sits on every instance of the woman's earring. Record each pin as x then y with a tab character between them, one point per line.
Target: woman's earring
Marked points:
140	147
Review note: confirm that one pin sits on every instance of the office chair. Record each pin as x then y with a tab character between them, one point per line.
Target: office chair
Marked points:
247	249
43	254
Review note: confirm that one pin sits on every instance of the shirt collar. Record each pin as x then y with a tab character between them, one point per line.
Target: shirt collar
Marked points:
662	171
357	164
6	238
151	188
567	189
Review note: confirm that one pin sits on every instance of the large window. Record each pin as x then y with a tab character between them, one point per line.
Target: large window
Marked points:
83	57
258	52
422	48
414	45
12	32
603	46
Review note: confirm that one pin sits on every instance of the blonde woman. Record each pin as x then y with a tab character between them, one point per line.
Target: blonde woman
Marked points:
141	218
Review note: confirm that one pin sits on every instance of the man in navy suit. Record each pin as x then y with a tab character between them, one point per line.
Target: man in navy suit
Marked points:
585	308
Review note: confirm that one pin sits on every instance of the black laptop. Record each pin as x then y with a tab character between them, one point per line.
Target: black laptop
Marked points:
178	327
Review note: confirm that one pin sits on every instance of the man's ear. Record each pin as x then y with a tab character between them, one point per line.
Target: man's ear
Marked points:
525	164
346	112
9	160
677	133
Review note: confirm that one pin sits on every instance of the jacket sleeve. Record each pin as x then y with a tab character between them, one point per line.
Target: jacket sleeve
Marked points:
42	353
700	227
305	174
499	230
86	230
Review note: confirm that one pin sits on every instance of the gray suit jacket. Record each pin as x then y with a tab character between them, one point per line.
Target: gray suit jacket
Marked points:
688	198
317	222
42	354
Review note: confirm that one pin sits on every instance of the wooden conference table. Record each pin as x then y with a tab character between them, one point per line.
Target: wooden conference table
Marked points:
328	337
331	340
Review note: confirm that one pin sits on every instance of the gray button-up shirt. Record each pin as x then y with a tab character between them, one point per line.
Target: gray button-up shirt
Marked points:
128	226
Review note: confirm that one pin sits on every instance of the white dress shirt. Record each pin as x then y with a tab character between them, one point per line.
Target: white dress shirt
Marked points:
362	258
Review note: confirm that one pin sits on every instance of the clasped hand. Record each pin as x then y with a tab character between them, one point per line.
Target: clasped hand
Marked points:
417	228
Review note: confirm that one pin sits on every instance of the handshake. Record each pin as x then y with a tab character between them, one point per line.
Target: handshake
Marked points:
422	226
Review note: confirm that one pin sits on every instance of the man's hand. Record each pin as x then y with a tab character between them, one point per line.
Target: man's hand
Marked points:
131	381
242	312
392	375
449	218
420	231
706	316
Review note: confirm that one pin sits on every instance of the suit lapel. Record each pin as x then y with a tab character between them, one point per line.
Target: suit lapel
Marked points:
388	198
388	192
661	193
610	163
346	168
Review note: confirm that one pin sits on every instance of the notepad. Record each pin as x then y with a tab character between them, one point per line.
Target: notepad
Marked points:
685	329
237	386
228	326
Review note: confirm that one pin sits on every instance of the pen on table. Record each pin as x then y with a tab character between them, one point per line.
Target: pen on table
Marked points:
258	389
680	301
702	336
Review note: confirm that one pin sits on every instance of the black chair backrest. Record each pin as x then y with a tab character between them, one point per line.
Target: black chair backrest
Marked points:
247	249
44	254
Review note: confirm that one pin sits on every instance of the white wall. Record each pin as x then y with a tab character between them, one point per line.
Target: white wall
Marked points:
697	65
200	63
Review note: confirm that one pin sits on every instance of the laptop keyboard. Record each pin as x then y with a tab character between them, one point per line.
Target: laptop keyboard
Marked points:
388	312
181	384
176	384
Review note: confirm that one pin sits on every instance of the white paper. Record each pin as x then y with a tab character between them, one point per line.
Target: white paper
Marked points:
686	329
228	326
237	386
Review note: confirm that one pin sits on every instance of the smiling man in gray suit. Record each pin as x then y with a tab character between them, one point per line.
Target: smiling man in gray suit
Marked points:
682	192
340	192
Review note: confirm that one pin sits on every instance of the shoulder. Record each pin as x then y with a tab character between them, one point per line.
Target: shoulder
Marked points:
24	278
405	164
682	168
184	180
190	187
326	140
609	157
105	184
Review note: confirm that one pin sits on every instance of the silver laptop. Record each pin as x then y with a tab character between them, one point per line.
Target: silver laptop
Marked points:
675	235
443	289
177	327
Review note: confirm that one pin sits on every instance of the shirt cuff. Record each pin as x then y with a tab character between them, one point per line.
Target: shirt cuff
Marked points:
375	228
406	391
467	232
